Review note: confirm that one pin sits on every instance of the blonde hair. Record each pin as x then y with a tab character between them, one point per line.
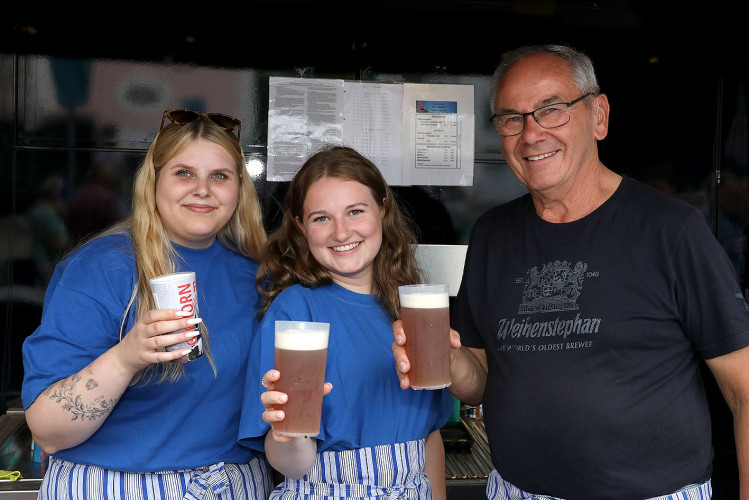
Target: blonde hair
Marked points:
288	259
154	253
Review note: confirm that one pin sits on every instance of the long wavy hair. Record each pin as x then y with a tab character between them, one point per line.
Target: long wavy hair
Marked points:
154	253
288	259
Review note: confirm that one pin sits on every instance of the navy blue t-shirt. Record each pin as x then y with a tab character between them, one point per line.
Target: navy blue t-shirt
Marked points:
594	330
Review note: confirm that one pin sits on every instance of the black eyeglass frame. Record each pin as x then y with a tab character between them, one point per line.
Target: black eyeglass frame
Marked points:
226	122
533	114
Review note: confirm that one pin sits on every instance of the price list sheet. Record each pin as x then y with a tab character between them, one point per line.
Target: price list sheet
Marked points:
372	114
439	131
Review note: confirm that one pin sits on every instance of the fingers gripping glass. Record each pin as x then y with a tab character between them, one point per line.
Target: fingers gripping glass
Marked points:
549	116
185	116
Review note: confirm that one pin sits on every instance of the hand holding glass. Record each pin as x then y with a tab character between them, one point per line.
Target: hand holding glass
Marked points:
425	312
301	349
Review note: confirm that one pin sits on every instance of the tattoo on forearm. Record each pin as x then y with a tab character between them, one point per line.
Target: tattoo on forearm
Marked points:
64	392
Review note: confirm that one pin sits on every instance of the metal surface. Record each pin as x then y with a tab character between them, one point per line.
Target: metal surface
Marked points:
467	468
473	462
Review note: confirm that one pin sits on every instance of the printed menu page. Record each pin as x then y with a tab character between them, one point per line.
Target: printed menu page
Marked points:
372	115
439	132
417	134
303	116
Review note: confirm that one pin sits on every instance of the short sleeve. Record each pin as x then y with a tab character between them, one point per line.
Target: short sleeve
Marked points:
252	429
474	273
716	315
83	309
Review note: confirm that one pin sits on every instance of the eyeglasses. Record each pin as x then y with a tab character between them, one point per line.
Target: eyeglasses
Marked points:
185	116
549	116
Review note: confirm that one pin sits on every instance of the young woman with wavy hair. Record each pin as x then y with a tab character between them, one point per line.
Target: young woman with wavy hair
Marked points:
289	260
339	256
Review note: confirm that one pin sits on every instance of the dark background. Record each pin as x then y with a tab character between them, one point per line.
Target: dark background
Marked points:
676	75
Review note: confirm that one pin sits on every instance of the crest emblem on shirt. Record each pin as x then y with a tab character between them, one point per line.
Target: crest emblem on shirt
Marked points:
555	288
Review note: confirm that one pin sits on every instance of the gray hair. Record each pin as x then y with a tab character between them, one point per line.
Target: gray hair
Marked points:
580	66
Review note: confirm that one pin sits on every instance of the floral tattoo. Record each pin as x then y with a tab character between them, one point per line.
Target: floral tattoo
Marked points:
64	392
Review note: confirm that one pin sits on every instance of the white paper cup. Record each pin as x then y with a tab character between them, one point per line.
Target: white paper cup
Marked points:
179	291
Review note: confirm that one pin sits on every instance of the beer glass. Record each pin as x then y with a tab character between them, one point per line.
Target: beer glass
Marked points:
301	349
179	291
425	312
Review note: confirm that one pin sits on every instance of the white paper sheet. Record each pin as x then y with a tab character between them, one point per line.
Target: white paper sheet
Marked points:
417	134
438	127
372	115
303	116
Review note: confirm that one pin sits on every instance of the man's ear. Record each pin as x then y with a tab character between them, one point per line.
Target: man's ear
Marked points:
601	116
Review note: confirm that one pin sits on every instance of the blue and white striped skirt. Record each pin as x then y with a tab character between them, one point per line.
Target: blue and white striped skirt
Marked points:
385	472
222	481
499	489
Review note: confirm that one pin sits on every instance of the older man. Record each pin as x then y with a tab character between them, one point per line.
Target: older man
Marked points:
586	306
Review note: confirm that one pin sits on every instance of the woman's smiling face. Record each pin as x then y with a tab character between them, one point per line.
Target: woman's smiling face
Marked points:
342	223
197	192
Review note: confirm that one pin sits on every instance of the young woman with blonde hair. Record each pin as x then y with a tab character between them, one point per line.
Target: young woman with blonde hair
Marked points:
121	416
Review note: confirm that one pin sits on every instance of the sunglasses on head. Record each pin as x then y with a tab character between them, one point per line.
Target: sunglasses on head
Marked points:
185	116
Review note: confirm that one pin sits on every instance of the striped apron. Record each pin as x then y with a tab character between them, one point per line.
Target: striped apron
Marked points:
499	489
385	472
222	481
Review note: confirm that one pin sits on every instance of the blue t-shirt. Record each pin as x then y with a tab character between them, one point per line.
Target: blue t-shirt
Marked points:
366	407
186	424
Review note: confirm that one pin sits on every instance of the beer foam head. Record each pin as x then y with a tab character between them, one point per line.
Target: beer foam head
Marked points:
312	337
425	300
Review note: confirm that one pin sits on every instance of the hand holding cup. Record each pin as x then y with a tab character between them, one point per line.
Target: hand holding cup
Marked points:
425	315
271	399
402	363
301	349
179	291
152	332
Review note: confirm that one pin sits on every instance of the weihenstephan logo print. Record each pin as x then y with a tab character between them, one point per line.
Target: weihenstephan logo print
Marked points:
548	317
555	288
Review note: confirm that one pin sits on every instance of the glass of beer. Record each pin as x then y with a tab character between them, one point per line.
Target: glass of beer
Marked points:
425	311
301	351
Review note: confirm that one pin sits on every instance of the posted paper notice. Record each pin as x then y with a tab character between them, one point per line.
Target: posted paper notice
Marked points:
417	134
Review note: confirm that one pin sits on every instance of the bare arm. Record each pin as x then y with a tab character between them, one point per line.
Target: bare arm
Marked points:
469	371
69	411
468	366
731	372
434	464
291	456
